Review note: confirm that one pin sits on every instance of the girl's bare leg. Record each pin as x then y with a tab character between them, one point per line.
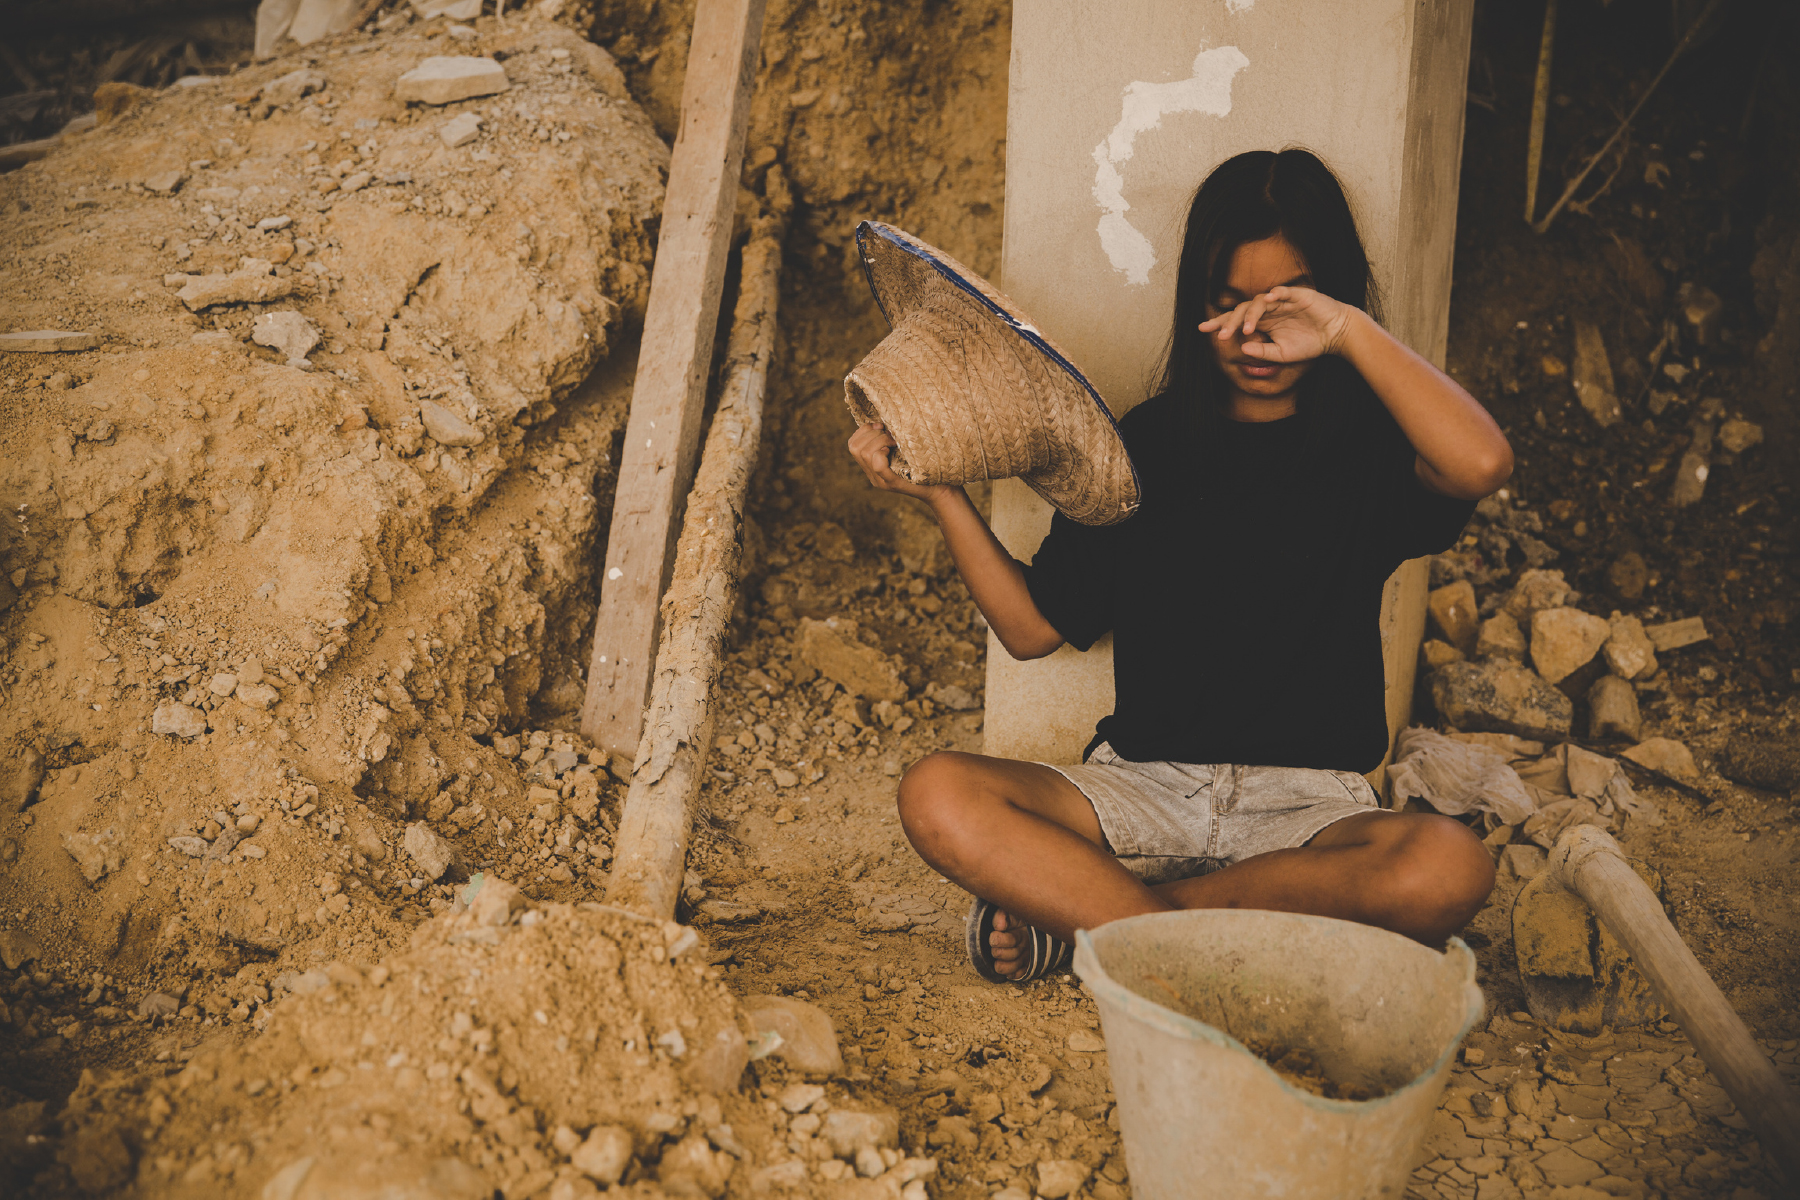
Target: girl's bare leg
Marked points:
1022	836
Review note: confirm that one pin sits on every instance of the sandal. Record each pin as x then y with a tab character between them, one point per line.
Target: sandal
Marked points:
1047	953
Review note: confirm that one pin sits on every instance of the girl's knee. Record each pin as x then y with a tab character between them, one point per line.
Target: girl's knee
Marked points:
1438	870
933	789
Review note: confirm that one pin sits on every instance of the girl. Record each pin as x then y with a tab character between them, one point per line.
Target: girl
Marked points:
1294	456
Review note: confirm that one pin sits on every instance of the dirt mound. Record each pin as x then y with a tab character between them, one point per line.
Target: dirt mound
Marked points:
316	515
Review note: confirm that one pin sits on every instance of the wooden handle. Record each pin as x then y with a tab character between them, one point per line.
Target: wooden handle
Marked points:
1590	863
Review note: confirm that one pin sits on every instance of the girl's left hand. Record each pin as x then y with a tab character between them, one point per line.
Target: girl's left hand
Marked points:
1296	324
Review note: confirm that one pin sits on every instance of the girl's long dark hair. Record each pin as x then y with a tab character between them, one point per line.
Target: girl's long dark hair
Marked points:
1254	196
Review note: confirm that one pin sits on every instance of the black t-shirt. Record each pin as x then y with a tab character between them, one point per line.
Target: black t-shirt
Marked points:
1244	595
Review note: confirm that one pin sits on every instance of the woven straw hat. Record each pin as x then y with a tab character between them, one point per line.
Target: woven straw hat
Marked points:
971	390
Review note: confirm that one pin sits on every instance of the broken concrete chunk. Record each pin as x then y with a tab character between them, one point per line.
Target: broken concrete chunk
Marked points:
1499	697
165	183
1563	640
258	695
177	720
1501	637
97	854
286	331
846	1132
293	86
1535	591
1452	610
605	1154
1673	635
808	1042
1613	709
252	283
460	130
1629	652
831	648
431	853
445	79
1593	374
446	428
1666	755
48	341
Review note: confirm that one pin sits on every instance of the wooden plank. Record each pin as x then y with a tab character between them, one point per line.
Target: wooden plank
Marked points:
663	433
654	826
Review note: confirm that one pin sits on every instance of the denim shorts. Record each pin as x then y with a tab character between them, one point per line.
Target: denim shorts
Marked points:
1170	820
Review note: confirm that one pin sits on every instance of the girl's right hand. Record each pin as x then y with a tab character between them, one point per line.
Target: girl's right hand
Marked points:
871	445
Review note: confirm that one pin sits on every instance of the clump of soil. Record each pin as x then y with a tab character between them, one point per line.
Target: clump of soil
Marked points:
1298	1067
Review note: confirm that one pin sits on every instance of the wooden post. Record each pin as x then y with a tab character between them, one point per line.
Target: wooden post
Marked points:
1589	863
651	848
663	432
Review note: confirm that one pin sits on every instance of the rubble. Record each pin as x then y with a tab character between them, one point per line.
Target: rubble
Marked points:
1613	709
1593	378
445	79
286	331
830	647
1500	697
47	341
1563	640
1630	654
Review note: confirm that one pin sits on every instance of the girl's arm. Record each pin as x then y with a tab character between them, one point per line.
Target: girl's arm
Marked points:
1461	451
993	576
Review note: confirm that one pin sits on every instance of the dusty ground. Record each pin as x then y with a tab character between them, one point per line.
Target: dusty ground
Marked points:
444	696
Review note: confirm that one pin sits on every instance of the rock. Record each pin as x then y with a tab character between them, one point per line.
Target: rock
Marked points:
1593	375
252	283
495	902
258	695
432	853
718	1065
355	182
456	10
20	774
729	912
1673	635
1513	748
1629	652
691	1166
918	540
1628	575
848	1132
222	684
1439	654
177	720
193	847
1452	611
1060	1177
796	1098
808	1042
446	428
1613	710
1737	435
604	1154
272	224
445	79
1769	765
1083	1042
165	183
18	948
460	130
286	331
293	86
97	854
1691	475
1499	697
158	1005
954	698
1563	640
1500	637
1535	591
1700	308
1522	860
48	341
784	778
1666	755
830	647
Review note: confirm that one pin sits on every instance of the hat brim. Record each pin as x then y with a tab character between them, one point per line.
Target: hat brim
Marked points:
1098	486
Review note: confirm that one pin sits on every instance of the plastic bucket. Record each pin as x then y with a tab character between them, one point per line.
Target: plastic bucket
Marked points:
1201	1115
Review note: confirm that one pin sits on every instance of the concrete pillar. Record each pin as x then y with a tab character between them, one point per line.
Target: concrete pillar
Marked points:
1117	110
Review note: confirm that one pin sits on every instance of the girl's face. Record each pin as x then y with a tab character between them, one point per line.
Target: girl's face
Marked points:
1255	268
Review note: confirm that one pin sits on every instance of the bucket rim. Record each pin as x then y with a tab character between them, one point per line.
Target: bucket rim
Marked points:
1167	1020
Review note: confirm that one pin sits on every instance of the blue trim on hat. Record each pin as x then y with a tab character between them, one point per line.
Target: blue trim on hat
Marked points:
924	254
